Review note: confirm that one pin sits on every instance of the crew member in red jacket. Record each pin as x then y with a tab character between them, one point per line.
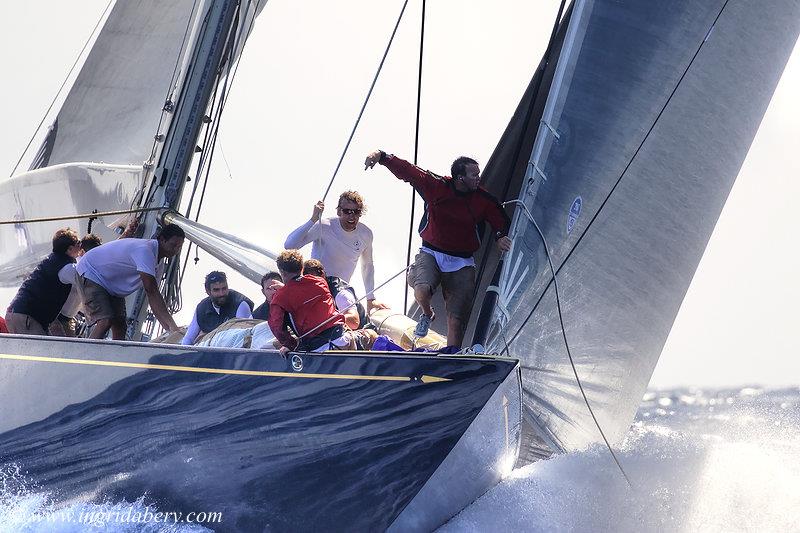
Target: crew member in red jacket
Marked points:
307	303
453	209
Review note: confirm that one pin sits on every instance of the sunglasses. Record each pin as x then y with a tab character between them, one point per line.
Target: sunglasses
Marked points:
350	211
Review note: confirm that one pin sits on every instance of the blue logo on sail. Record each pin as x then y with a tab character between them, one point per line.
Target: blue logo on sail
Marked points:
574	213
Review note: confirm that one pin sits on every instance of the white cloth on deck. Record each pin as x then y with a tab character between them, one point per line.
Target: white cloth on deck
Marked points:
243	311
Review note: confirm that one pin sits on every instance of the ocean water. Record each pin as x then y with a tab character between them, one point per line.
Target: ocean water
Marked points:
698	460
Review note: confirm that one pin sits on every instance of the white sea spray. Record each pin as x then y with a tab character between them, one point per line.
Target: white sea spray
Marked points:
697	461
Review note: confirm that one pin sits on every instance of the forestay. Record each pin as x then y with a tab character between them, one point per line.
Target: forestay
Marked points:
627	210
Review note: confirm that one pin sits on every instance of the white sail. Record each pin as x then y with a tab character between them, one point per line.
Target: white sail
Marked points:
112	111
106	129
61	190
651	113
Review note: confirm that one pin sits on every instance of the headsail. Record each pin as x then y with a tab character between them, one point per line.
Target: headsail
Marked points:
112	111
106	128
92	156
651	113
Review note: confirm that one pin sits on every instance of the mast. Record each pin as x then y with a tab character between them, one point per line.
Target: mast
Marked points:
212	46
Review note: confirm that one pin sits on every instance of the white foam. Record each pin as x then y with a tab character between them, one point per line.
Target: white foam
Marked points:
737	472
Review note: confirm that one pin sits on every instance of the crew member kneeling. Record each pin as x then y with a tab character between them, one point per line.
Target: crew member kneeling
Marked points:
310	308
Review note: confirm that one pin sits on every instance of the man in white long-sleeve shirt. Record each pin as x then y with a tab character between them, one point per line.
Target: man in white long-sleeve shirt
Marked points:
340	241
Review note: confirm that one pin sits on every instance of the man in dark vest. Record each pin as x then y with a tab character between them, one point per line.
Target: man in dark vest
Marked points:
66	323
221	305
344	296
42	295
270	282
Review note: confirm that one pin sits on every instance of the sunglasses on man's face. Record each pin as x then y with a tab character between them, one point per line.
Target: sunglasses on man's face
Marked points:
350	211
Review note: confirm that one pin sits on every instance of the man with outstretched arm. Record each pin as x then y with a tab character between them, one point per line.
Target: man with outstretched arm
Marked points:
454	207
339	242
112	271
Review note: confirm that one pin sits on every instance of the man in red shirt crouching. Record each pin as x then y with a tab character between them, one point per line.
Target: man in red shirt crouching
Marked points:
307	303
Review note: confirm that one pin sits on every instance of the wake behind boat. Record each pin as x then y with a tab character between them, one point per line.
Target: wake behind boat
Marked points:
617	163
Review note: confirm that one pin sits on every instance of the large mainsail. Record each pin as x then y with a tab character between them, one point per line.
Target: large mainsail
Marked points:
651	112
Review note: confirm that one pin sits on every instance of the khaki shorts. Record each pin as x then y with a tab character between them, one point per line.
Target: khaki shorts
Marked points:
458	287
23	324
98	303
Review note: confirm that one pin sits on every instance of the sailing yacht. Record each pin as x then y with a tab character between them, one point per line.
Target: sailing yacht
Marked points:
615	165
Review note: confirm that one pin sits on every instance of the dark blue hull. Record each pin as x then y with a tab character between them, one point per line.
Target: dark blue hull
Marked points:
343	441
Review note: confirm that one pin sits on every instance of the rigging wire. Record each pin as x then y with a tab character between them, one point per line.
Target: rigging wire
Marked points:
366	100
213	129
174	281
52	103
225	160
416	151
229	79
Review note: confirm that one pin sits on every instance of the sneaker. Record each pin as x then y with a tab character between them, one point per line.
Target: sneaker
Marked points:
423	325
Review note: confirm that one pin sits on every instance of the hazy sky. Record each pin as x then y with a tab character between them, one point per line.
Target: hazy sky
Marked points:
302	80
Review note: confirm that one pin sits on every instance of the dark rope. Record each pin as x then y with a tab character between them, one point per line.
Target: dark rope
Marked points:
80	54
416	152
369	93
566	342
91	220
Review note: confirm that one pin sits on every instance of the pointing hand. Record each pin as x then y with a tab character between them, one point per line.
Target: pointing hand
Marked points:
372	159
